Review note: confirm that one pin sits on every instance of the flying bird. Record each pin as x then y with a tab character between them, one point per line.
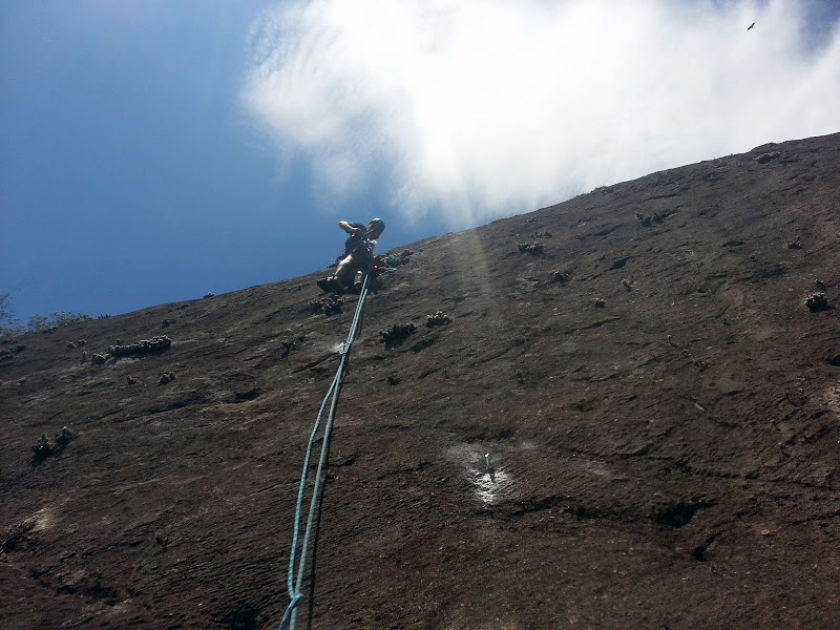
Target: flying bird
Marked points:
750	26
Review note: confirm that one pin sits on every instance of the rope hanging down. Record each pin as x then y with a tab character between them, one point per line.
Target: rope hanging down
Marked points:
295	582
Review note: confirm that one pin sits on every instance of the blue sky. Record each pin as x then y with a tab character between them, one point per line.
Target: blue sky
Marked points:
153	151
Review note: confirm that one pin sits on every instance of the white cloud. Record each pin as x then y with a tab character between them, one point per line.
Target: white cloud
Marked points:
483	108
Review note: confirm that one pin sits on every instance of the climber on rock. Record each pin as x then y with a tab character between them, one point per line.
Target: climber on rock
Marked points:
358	255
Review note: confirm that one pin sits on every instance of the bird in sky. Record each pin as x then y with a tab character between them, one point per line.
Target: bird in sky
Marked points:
750	26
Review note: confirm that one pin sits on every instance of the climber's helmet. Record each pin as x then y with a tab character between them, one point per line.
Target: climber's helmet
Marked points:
375	228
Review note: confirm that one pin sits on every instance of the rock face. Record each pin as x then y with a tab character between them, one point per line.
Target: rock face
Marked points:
666	460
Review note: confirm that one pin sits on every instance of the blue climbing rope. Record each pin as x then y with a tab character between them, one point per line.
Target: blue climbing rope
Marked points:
296	581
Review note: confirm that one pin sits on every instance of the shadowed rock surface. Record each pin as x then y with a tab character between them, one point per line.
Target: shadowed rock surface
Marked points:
637	428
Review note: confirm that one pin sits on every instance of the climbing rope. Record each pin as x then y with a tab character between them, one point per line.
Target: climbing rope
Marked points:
296	581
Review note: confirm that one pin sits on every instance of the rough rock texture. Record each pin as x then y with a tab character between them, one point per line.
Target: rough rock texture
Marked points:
669	460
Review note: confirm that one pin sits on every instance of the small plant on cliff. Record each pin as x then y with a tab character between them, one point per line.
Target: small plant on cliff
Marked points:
10	326
40	323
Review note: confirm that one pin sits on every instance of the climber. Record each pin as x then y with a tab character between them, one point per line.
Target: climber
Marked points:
358	255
